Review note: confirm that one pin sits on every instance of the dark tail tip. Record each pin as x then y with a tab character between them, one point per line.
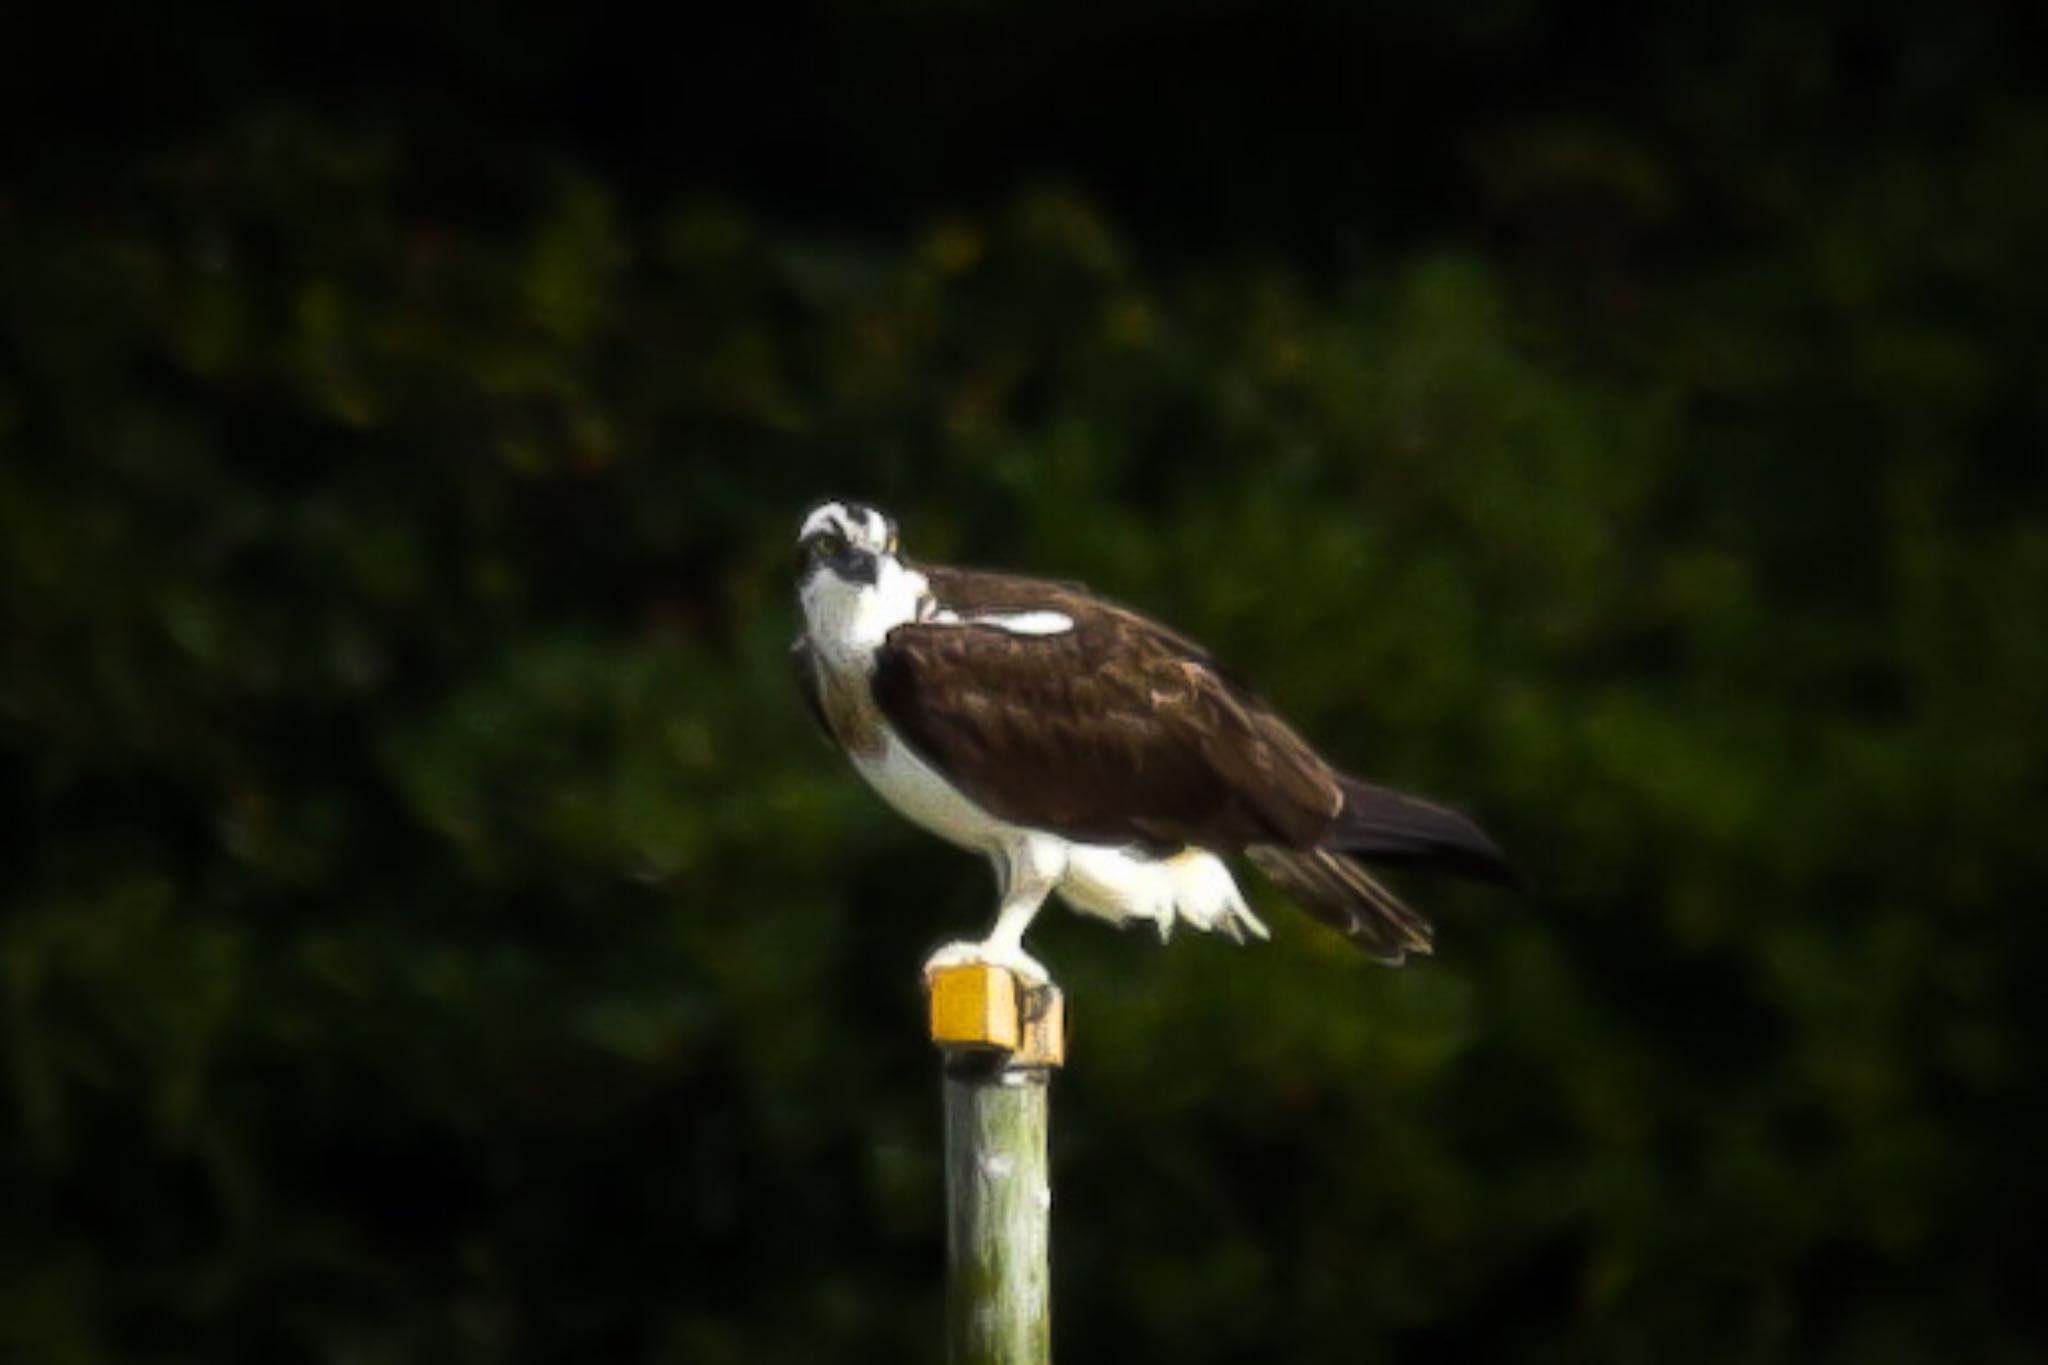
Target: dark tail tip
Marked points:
1390	829
1344	896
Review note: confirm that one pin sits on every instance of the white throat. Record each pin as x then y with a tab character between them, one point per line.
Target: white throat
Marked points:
847	622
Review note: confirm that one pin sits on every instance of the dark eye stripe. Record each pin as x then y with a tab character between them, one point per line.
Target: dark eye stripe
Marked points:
823	544
858	567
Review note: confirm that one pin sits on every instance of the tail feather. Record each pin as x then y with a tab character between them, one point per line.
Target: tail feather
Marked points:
1342	894
1385	826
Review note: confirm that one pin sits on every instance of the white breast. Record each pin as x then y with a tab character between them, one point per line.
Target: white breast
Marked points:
917	790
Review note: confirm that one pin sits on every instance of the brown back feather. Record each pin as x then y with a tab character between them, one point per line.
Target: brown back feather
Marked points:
1339	891
1117	731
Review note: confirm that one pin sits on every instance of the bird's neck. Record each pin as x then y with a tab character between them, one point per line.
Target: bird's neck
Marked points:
847	622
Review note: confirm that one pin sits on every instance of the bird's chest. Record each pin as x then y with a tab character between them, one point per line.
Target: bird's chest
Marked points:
917	791
922	794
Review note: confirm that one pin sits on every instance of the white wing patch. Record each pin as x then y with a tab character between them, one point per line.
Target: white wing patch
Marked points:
1028	622
1015	622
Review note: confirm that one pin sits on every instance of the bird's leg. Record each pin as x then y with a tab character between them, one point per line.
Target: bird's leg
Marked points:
1028	874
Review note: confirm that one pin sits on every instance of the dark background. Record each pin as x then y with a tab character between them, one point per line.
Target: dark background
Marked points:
430	930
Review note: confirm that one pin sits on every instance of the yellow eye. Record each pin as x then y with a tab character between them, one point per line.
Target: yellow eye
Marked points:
833	544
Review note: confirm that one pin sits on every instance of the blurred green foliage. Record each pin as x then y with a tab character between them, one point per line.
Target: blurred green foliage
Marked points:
431	931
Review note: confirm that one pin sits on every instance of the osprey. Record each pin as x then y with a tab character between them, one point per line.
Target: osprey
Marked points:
1090	752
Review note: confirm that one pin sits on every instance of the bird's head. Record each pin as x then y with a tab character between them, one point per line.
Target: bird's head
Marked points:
845	539
850	575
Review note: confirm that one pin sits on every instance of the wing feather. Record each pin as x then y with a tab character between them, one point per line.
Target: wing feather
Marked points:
1116	731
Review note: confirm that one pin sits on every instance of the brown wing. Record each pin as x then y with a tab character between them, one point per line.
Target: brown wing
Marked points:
1117	731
